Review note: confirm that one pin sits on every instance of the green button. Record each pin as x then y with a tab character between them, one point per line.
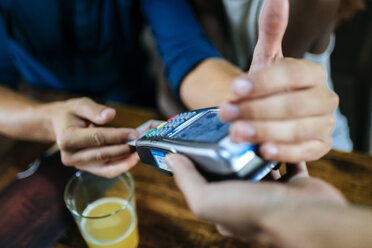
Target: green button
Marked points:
147	135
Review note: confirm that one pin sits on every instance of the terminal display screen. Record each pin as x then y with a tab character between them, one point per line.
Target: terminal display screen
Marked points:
209	128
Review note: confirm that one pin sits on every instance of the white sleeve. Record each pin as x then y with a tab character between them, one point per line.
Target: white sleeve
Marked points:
243	17
341	138
324	59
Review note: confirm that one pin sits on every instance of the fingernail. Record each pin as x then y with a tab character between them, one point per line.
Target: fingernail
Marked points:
106	113
132	136
242	87
230	111
271	150
170	161
246	130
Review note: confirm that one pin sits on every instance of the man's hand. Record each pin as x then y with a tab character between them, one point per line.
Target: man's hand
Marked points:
72	124
99	150
265	212
283	104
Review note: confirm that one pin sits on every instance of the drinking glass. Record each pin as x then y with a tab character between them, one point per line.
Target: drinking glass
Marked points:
104	209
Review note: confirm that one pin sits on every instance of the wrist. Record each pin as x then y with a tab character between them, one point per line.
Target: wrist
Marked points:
212	75
313	225
46	113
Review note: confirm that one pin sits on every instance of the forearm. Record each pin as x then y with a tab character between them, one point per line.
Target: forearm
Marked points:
23	118
322	226
208	85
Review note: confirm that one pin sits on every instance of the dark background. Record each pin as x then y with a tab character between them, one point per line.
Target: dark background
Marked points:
352	75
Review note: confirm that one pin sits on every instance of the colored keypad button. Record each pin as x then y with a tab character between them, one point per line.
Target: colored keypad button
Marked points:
150	132
168	127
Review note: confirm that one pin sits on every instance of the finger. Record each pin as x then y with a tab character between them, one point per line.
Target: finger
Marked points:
111	169
287	131
74	138
286	75
295	153
95	155
92	111
295	172
187	178
288	105
272	27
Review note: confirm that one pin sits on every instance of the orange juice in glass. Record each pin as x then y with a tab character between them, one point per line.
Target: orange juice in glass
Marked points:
104	209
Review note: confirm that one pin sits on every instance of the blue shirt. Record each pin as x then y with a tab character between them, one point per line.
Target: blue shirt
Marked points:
93	46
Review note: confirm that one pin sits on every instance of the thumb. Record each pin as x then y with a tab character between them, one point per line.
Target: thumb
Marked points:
272	27
94	112
186	176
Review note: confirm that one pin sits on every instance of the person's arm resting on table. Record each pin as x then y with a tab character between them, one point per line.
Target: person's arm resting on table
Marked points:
99	150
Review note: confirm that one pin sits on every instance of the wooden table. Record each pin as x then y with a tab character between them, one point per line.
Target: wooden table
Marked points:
164	218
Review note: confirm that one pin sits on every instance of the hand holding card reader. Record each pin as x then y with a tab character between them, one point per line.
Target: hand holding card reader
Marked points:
204	138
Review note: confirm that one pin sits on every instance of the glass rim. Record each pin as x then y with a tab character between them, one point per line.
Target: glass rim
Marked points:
121	177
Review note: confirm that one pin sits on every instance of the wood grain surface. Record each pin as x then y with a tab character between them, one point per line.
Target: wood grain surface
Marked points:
163	216
32	209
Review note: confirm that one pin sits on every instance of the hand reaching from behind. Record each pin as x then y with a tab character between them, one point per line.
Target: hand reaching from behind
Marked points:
99	150
279	214
283	104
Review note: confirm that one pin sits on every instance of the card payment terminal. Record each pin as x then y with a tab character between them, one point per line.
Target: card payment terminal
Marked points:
204	138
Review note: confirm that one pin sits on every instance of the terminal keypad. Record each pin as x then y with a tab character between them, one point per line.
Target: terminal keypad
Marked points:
167	127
